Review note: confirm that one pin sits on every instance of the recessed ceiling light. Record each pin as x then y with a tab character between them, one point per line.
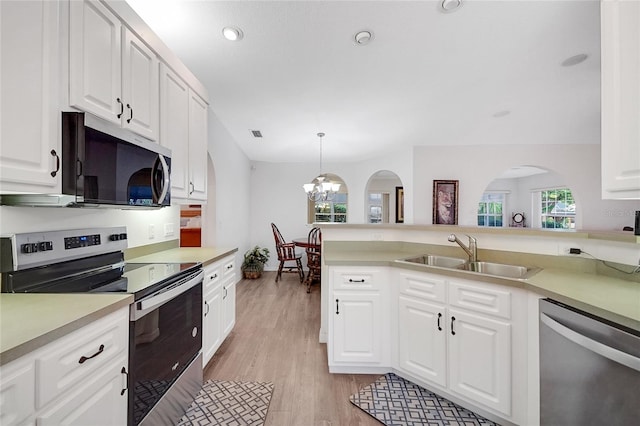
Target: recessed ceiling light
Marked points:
363	37
501	113
575	60
450	5
232	34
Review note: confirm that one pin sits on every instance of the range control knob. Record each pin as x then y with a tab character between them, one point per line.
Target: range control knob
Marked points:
114	237
45	246
123	236
29	248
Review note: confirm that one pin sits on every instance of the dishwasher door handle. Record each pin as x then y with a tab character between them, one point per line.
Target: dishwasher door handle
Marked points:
603	350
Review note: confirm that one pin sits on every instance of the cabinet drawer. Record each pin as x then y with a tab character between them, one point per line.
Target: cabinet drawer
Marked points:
482	298
358	279
228	266
73	359
212	277
423	286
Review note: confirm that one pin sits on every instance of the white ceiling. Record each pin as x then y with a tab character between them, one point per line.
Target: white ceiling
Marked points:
427	78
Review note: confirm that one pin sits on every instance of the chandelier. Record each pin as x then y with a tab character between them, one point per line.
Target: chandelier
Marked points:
321	188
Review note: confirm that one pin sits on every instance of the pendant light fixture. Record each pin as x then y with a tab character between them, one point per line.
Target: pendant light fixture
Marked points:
321	189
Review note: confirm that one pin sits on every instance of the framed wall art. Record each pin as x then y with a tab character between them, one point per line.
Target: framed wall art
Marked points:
399	204
445	202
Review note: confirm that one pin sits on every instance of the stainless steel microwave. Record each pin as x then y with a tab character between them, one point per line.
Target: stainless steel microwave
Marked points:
104	165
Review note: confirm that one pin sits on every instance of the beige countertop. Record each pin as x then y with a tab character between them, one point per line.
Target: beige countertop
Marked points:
29	321
613	299
204	255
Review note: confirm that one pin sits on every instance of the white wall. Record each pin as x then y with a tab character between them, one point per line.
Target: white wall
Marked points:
230	205
277	195
476	166
34	219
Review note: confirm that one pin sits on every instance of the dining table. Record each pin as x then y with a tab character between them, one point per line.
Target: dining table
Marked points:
304	243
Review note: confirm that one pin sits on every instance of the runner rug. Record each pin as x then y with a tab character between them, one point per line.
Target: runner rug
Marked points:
229	403
395	401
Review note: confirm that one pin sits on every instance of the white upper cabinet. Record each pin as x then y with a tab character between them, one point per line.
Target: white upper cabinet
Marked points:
30	153
184	128
140	73
112	73
620	28
174	128
197	147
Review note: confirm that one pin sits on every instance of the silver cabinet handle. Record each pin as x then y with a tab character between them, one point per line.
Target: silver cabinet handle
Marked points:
603	350
126	381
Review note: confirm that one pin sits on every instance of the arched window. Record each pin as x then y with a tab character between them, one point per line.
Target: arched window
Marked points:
331	209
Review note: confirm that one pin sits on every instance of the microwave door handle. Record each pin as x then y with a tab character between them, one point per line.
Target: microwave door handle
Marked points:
160	162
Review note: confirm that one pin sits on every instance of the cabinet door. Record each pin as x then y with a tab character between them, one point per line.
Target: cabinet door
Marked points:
212	323
17	391
480	359
229	305
95	61
620	38
29	154
356	327
140	73
174	128
100	400
422	346
197	147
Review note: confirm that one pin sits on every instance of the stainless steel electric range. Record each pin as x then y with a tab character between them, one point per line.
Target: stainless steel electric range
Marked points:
165	320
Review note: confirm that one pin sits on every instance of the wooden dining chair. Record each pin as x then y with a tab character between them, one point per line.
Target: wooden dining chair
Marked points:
314	258
287	255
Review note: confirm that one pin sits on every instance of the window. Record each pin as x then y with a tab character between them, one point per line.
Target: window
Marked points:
375	207
491	209
557	209
334	210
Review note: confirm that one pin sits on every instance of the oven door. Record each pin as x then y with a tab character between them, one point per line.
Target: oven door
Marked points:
165	336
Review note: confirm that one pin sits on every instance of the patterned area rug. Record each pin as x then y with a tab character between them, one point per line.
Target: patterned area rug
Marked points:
229	404
395	401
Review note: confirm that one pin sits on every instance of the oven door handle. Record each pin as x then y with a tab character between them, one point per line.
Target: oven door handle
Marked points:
150	303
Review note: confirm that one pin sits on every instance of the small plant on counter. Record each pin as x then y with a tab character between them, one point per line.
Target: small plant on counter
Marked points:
253	263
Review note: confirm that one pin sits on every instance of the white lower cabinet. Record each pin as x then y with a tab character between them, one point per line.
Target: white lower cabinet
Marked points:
359	321
480	359
79	379
219	310
422	345
457	334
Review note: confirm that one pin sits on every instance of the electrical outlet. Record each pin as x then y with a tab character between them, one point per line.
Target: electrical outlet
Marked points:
564	249
168	229
152	231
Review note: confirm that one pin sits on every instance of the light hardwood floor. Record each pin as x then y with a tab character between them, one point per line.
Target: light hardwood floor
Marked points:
275	339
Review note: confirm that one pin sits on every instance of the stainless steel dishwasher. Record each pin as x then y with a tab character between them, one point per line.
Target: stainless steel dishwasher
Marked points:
589	369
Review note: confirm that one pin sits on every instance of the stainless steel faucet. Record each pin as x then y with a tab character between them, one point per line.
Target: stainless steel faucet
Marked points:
472	250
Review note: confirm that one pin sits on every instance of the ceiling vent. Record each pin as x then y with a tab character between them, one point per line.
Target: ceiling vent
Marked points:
256	133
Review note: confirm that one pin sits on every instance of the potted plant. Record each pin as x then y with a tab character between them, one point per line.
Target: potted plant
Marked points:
253	263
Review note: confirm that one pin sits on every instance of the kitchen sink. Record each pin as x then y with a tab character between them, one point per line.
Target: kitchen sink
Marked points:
485	268
440	261
499	269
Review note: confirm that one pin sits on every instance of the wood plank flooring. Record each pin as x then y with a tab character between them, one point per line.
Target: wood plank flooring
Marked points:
275	339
